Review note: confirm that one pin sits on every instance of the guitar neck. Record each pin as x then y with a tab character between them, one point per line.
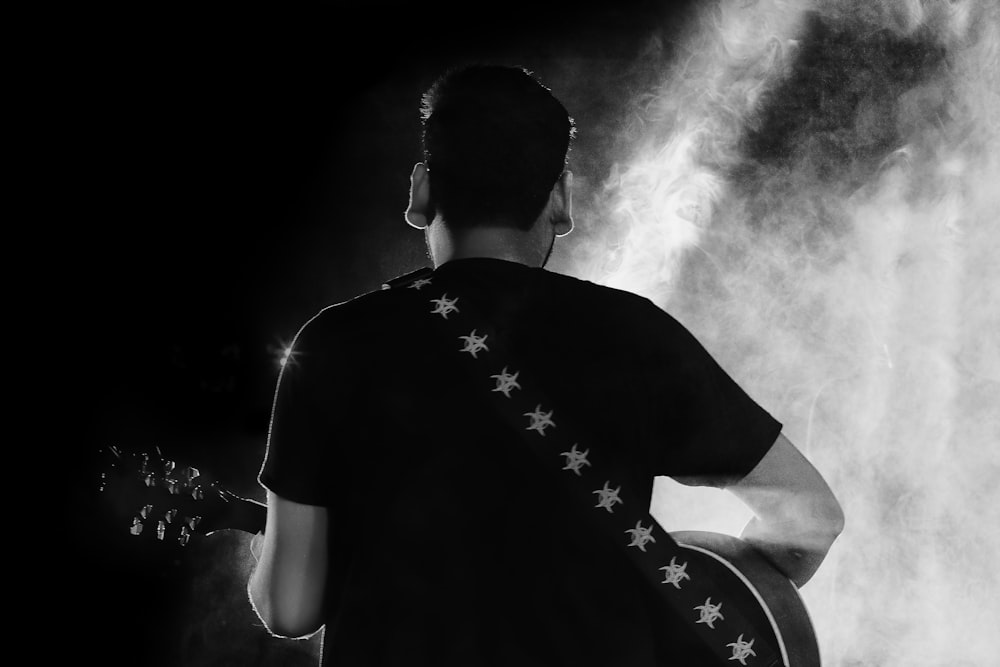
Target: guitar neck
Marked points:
161	499
244	514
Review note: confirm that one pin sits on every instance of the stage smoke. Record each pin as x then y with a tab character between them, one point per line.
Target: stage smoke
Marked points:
812	190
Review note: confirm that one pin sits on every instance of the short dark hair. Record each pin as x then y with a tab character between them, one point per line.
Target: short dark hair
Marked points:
495	142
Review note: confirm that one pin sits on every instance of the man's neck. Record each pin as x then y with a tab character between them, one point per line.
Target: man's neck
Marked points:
496	242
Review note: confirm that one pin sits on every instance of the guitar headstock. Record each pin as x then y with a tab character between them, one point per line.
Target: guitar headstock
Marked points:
155	497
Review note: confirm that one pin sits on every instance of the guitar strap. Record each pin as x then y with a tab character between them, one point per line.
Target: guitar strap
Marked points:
573	459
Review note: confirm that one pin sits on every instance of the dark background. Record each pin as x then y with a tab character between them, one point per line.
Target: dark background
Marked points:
224	173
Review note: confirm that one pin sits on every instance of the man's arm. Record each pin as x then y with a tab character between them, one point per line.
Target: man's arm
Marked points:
797	517
287	586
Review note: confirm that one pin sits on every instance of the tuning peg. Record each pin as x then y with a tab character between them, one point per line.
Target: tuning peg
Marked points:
185	536
190	473
144	512
136	527
168	467
198	493
173	486
144	465
149	479
169	515
192	521
161	529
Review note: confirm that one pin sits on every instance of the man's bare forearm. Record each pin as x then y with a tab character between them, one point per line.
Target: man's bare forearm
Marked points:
796	516
795	550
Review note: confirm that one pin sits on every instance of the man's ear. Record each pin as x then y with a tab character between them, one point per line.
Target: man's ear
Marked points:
420	197
561	202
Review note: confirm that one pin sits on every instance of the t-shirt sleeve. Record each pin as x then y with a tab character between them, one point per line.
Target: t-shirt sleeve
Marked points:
312	405
708	430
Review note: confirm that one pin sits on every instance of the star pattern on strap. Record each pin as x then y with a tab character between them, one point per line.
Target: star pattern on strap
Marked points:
474	344
575	460
674	573
539	420
709	613
506	382
742	649
607	497
444	305
640	536
419	283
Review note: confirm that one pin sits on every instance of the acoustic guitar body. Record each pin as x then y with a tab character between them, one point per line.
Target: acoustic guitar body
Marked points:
771	615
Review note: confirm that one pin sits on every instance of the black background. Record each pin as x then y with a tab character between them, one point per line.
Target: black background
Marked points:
219	175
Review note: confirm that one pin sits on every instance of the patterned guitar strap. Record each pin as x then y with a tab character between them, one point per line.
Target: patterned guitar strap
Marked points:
686	586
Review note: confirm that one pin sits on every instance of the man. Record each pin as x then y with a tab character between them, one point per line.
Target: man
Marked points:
406	515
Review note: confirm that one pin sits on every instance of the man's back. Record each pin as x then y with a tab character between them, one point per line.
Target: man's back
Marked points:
448	542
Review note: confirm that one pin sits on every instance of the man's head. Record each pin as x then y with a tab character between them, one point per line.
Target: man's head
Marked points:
495	146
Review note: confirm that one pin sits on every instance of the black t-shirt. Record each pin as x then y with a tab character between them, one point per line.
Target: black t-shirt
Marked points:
449	544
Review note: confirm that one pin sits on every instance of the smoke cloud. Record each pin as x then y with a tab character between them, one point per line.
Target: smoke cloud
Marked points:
811	187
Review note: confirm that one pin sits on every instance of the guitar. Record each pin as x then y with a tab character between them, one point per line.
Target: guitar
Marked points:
767	599
156	498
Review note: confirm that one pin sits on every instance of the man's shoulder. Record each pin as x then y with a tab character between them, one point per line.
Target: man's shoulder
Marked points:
597	290
612	302
359	311
385	308
400	299
635	318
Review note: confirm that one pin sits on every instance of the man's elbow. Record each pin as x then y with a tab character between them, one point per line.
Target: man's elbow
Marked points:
292	628
822	522
833	519
283	617
811	522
